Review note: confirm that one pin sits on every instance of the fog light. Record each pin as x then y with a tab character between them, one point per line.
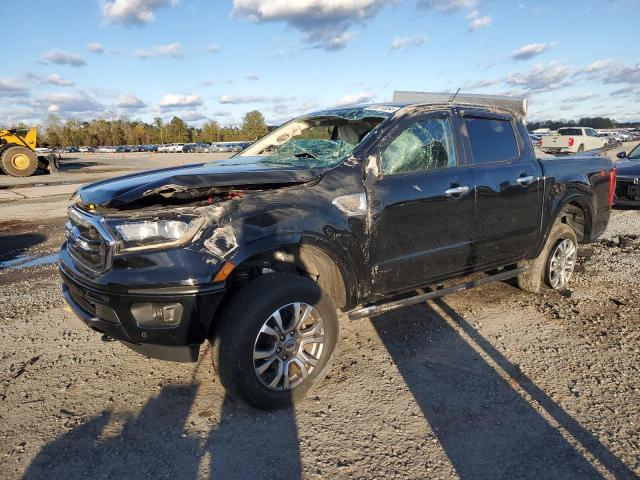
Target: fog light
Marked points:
157	314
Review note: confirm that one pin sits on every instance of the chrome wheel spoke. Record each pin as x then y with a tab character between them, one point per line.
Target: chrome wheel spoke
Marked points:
266	329
289	346
310	340
265	366
276	380
306	358
278	319
259	354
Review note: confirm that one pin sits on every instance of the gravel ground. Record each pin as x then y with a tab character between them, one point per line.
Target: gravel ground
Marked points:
491	383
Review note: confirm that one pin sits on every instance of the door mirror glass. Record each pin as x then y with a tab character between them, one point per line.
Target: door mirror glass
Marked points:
622	155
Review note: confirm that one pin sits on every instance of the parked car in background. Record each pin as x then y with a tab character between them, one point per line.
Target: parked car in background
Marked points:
536	139
362	208
176	148
164	148
43	150
85	149
573	140
107	149
628	178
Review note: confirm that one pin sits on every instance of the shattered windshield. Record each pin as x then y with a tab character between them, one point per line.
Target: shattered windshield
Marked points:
320	140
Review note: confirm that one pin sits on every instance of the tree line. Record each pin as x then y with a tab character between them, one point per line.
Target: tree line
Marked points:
54	132
593	122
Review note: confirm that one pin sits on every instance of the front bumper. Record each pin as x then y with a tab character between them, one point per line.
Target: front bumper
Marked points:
110	313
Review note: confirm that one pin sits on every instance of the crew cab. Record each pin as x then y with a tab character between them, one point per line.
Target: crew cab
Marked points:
363	208
573	140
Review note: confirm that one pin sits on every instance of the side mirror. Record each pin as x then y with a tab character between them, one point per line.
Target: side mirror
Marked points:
622	155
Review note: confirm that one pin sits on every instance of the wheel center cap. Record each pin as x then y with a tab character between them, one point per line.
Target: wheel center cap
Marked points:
290	345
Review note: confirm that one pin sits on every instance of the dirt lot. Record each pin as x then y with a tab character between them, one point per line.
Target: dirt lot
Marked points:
491	383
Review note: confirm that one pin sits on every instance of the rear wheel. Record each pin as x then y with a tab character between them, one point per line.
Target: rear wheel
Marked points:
18	161
276	340
555	264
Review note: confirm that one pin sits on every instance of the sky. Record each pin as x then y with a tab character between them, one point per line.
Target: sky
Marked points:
218	59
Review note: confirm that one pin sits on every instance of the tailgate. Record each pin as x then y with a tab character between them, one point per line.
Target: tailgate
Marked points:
555	141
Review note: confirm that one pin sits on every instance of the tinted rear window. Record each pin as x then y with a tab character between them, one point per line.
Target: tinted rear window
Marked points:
570	131
491	140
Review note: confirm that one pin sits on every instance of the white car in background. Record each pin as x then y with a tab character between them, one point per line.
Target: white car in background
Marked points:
176	148
573	140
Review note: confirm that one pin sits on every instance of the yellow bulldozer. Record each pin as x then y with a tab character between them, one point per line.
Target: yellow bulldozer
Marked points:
18	156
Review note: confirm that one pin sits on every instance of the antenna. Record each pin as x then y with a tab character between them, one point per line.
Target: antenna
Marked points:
454	96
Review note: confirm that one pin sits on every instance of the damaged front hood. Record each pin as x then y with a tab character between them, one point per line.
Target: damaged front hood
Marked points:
194	181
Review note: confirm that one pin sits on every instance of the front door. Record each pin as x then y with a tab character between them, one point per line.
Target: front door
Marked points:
422	208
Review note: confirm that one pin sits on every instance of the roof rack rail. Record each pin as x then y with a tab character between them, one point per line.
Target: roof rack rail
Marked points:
517	105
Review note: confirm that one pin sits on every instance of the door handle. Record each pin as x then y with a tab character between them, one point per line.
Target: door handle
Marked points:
451	192
524	181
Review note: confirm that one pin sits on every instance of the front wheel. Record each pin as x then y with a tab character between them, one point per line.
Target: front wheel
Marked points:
276	340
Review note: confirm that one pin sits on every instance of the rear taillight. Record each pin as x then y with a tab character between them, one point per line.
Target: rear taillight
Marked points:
571	141
612	185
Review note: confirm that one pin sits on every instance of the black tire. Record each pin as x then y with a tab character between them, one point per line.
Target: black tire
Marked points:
239	327
538	268
18	161
581	148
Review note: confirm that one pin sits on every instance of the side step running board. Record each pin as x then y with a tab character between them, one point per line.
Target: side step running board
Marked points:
373	310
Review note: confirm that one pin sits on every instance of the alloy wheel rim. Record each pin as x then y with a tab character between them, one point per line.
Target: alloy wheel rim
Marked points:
562	263
288	346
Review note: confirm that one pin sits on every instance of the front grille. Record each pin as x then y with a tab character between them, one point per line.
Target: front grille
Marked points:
88	243
627	189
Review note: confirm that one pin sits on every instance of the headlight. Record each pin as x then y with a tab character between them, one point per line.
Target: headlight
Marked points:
155	233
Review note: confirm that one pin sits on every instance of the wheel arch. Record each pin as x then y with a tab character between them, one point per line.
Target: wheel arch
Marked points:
303	254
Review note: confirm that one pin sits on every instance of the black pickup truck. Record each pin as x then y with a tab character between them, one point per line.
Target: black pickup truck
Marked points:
363	209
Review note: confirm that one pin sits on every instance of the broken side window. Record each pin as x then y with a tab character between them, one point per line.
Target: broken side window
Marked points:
425	145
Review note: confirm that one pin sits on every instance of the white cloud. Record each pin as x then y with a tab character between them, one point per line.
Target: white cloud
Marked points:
355	98
541	77
480	22
238	99
403	43
531	50
580	98
130	102
194	116
96	48
213	48
9	87
64	58
132	12
323	23
143	54
177	100
624	74
598	66
69	103
173	50
481	84
448	6
55	79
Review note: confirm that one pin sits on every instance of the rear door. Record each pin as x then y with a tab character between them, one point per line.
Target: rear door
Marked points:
422	209
509	183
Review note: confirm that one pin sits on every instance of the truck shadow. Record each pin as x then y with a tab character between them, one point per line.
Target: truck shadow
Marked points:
154	443
486	422
486	427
